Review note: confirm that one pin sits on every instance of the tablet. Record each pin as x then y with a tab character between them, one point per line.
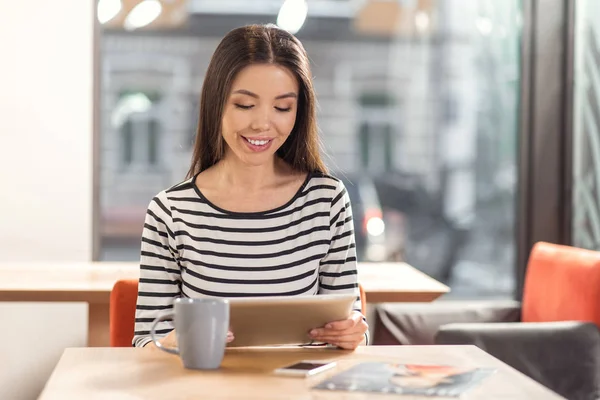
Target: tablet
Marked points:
284	320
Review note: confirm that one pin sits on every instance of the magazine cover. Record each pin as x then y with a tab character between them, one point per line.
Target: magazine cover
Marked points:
409	379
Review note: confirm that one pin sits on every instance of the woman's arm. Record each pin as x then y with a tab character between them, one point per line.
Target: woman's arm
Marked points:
337	272
160	274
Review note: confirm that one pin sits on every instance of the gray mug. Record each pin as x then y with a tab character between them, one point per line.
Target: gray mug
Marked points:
201	327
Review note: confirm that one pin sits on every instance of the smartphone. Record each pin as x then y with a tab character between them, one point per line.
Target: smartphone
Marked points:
305	368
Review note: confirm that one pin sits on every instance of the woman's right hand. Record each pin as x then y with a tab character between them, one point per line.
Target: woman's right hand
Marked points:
171	340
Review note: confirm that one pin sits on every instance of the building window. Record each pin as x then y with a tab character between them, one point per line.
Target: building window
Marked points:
140	130
376	133
376	146
153	132
127	137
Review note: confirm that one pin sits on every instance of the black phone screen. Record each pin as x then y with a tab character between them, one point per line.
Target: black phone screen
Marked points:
305	366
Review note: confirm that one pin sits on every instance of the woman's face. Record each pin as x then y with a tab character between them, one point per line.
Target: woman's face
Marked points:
259	113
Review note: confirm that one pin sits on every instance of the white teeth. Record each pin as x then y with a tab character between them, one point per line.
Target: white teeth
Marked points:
258	142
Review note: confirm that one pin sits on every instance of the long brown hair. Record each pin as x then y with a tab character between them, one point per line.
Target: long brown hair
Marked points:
256	44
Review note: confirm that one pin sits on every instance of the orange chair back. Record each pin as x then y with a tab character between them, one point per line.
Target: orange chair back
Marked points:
123	299
363	300
562	284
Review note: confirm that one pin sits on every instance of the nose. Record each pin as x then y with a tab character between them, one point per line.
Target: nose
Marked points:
261	122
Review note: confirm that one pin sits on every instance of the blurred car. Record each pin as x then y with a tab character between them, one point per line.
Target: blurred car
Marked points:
369	226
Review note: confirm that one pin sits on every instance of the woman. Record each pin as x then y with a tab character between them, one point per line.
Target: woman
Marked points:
257	215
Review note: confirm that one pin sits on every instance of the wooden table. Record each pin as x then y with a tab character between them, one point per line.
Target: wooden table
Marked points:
92	282
134	373
398	283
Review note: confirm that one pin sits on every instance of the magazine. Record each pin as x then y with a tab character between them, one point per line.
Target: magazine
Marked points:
409	379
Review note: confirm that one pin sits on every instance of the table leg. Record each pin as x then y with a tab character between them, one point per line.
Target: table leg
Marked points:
98	325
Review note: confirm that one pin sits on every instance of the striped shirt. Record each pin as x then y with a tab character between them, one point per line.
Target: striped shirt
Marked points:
192	248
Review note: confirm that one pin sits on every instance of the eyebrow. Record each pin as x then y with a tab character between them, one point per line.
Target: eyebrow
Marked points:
281	96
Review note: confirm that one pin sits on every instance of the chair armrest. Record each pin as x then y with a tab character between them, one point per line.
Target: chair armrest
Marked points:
563	356
417	323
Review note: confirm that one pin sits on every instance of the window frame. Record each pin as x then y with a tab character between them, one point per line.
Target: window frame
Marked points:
546	132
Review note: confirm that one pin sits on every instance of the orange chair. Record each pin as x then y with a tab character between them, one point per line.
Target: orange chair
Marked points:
363	300
123	299
562	284
556	341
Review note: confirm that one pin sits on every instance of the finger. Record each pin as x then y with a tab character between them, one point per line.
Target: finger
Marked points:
348	345
360	328
340	338
354	319
335	326
331	332
340	325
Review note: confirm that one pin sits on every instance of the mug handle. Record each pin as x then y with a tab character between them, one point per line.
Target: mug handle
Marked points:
155	339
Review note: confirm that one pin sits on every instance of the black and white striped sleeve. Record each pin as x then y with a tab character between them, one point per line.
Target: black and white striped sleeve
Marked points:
160	274
337	272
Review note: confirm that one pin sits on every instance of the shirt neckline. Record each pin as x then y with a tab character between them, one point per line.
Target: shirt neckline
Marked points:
252	213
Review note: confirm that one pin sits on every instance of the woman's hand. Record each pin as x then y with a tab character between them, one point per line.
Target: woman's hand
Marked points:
347	334
230	337
171	340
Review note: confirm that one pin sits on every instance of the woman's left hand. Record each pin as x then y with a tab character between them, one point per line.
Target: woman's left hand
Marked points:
347	334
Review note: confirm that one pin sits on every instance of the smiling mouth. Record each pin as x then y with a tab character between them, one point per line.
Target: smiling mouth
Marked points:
258	142
257	145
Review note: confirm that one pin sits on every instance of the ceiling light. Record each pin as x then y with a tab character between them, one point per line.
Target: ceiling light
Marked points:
422	21
143	14
292	15
108	9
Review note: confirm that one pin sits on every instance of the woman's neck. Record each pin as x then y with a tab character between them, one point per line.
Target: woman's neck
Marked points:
233	173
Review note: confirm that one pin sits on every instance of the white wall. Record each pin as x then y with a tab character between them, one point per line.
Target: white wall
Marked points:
46	75
30	353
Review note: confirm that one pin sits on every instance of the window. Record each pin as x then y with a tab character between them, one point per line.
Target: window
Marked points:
153	142
134	118
586	132
376	147
377	134
127	133
417	98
